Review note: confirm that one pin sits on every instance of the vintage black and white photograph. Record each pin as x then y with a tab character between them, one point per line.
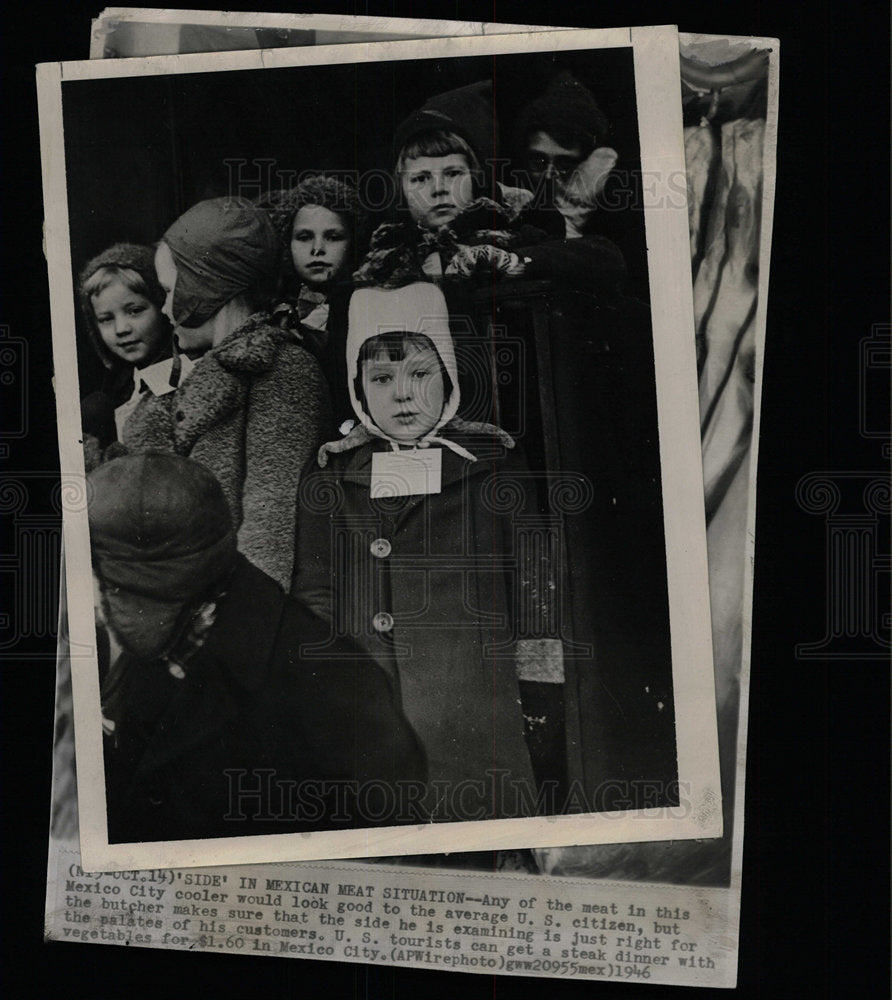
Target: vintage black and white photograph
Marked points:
729	104
794	435
386	404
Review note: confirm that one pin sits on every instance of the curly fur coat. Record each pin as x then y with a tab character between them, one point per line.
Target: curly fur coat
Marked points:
593	264
253	410
398	249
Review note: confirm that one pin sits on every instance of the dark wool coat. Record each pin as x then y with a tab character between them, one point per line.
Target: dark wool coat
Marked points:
253	410
600	401
327	346
453	575
253	713
593	418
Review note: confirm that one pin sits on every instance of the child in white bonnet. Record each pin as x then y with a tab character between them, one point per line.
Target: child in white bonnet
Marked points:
407	542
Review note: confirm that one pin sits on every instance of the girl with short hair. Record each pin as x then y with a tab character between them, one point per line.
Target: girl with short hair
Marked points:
122	305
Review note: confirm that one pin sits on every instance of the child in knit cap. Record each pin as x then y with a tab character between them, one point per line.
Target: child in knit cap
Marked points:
412	538
324	232
122	304
455	216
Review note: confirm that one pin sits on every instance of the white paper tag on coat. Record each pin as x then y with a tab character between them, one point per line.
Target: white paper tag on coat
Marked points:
406	473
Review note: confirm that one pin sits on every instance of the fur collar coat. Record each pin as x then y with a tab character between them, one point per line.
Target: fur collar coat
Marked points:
253	410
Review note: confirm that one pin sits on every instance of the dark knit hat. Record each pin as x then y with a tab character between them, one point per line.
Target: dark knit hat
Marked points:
317	189
123	256
161	537
568	112
469	112
221	248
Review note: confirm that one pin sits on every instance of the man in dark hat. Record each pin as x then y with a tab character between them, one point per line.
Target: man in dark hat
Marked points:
229	709
564	137
566	154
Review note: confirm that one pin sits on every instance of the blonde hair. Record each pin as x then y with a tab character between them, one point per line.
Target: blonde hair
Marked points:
437	142
99	280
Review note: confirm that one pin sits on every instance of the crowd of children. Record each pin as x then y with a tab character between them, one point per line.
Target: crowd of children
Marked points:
309	367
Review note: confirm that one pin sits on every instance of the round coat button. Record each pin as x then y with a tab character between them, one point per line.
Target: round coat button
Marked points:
382	622
381	548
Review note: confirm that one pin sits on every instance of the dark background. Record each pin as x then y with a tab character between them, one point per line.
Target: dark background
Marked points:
140	151
816	858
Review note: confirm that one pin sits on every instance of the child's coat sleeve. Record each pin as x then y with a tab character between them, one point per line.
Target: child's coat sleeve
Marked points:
534	579
288	415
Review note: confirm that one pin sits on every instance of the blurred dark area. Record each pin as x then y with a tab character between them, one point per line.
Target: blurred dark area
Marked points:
140	151
815	918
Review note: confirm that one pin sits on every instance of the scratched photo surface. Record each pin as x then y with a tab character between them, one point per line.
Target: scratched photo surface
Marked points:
727	112
494	643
